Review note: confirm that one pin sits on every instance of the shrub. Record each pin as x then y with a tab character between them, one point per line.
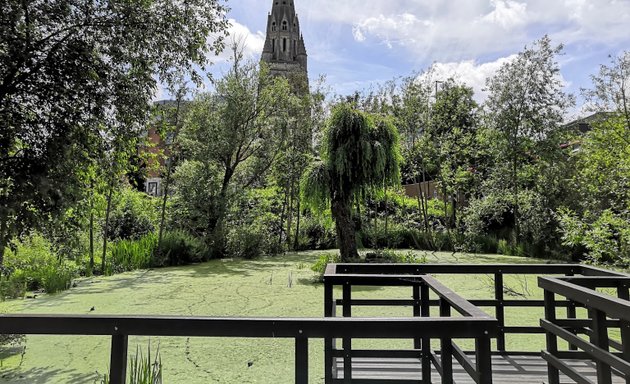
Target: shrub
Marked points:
134	219
320	265
32	266
180	248
317	233
510	249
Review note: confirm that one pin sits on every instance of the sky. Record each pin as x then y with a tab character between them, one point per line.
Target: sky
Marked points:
357	43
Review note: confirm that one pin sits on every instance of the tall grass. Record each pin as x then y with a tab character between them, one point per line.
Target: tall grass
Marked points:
129	255
142	369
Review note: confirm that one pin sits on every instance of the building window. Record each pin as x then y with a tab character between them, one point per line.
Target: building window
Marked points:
273	45
284	45
285	26
273	26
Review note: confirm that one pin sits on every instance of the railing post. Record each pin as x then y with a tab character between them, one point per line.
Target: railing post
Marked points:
329	310
622	292
416	312
347	342
552	340
301	360
571	314
599	337
446	347
500	310
425	311
118	359
484	359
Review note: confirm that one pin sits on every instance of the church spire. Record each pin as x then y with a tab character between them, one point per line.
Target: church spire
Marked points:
284	50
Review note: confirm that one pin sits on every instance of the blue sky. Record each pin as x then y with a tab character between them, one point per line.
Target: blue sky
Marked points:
356	43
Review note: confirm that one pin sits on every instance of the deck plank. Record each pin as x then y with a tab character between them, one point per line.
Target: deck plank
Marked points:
506	370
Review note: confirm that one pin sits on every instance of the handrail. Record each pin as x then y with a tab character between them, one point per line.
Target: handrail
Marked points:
372	328
612	306
300	329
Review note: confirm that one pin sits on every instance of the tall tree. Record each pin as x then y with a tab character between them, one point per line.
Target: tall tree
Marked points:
527	102
234	134
452	129
71	70
360	153
598	220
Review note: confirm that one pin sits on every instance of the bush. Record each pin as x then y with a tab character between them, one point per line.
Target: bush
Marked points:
134	219
32	266
320	266
180	248
317	233
391	256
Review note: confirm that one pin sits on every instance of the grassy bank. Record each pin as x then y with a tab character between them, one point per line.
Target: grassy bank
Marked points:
269	287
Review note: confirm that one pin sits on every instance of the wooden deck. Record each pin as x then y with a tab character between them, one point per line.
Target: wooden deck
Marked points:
506	370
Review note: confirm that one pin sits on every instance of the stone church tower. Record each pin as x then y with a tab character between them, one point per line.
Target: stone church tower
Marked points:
284	49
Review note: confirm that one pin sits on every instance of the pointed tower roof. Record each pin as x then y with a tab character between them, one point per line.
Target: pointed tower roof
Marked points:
284	50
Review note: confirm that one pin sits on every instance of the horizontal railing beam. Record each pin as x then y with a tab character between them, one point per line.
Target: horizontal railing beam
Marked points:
612	306
417	269
371	328
592	350
458	303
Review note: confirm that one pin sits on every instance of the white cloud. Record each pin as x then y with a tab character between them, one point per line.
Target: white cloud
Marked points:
252	42
508	14
468	72
459	30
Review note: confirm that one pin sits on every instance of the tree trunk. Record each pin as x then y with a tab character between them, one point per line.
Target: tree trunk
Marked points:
425	197
346	234
4	236
386	217
91	232
296	242
106	227
290	215
167	183
517	229
215	225
282	217
169	172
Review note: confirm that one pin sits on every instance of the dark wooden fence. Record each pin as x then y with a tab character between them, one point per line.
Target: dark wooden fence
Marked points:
418	277
603	311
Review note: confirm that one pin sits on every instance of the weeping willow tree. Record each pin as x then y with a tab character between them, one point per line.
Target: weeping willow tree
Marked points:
360	154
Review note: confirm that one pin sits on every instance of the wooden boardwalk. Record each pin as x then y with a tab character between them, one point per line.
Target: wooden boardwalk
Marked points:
506	370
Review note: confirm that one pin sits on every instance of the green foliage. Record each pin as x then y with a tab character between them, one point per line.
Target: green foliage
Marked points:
317	232
129	255
32	266
255	224
315	186
387	255
181	248
231	137
83	72
328	258
360	154
135	218
606	237
506	248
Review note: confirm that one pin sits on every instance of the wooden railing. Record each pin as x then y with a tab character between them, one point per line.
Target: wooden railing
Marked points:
604	312
418	277
420	327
